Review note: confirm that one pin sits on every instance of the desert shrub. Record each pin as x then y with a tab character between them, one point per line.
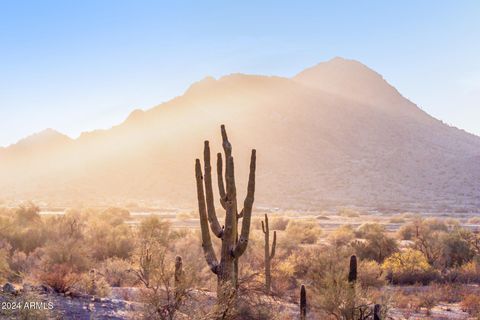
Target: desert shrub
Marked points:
370	274
60	277
252	303
376	245
297	264
279	223
469	273
27	214
407	301
115	216
434	224
93	284
303	232
194	260
4	266
18	265
448	292
154	229
107	241
416	300
471	304
24	229
397	220
406	261
456	249
154	268
407	232
427	300
117	272
182	216
428	237
408	267
342	236
66	253
348	213
29	238
474	220
66	245
332	292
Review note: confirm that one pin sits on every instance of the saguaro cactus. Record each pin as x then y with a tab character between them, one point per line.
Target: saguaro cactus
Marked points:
179	279
233	246
268	254
376	312
352	274
303	303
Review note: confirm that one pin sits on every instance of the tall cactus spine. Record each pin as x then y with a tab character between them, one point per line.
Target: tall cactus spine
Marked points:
269	254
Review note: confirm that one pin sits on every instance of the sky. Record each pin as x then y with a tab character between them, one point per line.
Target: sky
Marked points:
82	65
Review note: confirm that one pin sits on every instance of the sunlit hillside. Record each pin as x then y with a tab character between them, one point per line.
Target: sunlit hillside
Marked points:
335	134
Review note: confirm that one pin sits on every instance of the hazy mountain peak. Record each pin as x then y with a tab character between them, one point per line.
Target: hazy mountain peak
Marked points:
351	79
46	136
136	115
43	141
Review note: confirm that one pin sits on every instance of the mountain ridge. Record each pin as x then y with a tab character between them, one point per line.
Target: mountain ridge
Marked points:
319	144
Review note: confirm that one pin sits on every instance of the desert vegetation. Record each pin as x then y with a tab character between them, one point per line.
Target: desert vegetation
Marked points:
162	267
344	263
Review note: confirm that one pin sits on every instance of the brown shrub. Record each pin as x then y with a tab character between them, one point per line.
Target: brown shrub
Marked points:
117	272
60	277
469	273
404	301
92	284
279	223
428	300
370	274
471	304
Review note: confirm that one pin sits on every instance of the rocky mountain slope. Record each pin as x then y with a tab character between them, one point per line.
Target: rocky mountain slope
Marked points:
335	134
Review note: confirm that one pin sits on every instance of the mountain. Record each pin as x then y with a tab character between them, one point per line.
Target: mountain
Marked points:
335	134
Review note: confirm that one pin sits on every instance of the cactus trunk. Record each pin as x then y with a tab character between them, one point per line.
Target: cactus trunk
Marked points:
303	303
352	274
179	280
376	312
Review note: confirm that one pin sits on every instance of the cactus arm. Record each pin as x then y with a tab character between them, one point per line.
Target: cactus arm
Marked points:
247	208
221	185
227	146
263	228
206	240
274	244
212	215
